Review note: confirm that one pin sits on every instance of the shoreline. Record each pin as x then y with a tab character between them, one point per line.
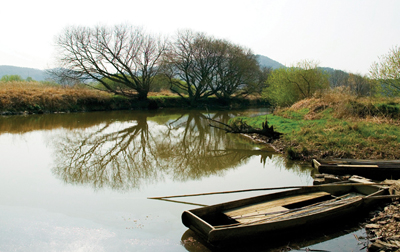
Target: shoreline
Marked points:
383	223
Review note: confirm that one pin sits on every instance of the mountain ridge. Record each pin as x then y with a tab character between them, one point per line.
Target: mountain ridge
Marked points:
42	75
24	72
265	61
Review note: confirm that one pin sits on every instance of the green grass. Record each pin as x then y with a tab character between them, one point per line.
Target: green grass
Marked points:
297	115
328	136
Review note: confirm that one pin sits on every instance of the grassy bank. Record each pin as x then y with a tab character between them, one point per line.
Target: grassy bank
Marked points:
337	125
37	97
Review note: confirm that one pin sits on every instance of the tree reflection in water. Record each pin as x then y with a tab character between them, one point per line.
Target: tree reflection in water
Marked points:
114	154
123	154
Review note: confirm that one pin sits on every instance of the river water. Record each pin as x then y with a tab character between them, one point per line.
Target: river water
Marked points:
81	181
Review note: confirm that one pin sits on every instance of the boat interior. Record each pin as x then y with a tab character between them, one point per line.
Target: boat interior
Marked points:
269	208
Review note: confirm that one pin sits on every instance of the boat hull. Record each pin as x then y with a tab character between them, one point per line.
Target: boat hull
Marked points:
217	229
370	169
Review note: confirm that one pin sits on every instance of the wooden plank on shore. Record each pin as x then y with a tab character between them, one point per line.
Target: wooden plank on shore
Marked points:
357	166
366	161
348	162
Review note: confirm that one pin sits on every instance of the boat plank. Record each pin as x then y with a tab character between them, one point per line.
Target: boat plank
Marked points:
288	214
259	215
272	206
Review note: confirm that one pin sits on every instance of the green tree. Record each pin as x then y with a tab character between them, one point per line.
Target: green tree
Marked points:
122	54
386	72
280	91
289	85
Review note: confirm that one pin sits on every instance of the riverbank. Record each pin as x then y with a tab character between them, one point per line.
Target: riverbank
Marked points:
342	126
336	125
39	98
331	125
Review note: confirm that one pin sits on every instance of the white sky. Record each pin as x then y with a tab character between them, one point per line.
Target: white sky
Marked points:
342	34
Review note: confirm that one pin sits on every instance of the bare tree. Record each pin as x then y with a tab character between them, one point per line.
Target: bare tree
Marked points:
201	66
261	83
360	85
191	66
123	59
339	78
237	70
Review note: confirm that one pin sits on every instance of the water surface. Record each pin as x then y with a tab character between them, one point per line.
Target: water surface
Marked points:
80	182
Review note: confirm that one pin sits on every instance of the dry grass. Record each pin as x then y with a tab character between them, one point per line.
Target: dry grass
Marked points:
164	92
24	95
346	106
37	97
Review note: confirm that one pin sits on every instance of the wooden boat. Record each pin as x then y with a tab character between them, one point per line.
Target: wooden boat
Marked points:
279	213
374	169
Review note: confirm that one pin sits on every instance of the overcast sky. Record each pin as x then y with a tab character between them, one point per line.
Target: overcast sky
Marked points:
347	35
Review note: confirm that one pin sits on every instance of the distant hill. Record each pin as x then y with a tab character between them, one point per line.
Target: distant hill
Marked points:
329	70
41	75
267	62
24	72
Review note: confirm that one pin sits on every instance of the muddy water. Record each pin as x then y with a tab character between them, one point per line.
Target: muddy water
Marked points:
80	182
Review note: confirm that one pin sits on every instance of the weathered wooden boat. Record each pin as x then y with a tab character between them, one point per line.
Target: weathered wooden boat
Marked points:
374	169
279	213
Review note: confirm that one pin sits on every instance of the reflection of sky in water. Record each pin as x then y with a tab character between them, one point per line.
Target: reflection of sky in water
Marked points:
39	211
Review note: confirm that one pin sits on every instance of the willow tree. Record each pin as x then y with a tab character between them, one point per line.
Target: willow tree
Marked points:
289	85
387	72
123	55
